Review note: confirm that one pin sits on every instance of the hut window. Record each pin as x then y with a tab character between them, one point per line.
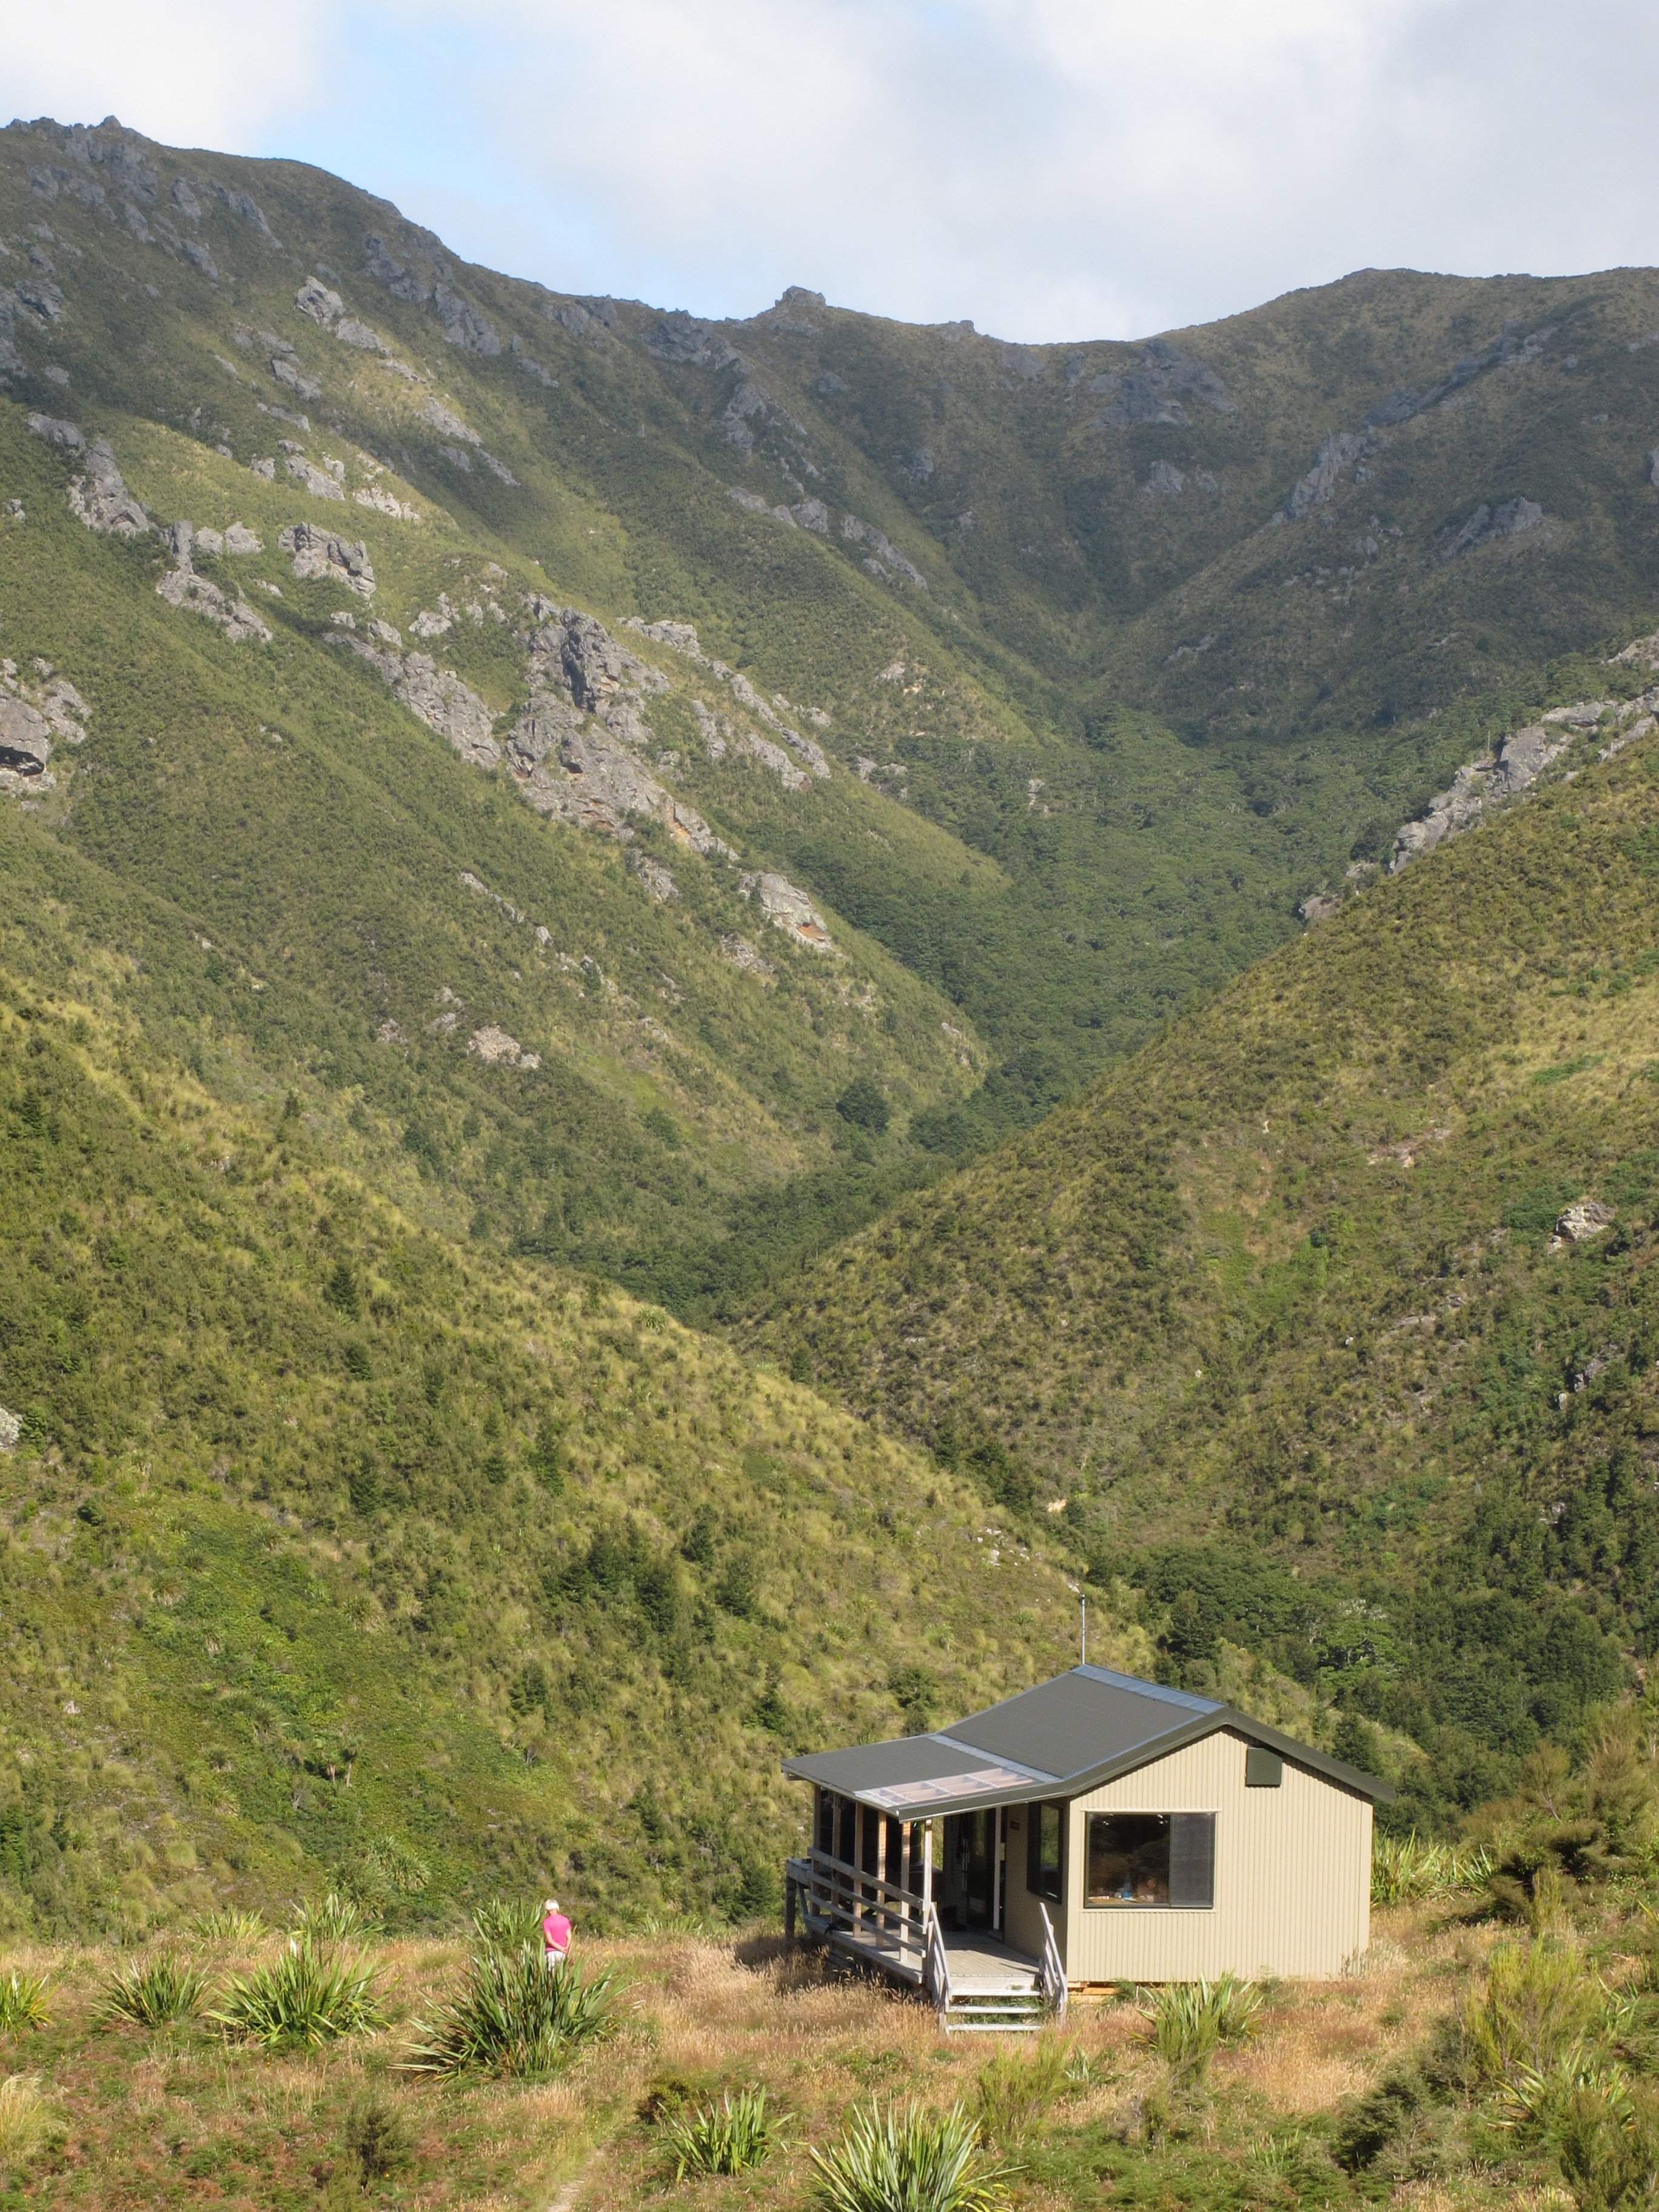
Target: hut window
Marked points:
1151	1859
1043	1845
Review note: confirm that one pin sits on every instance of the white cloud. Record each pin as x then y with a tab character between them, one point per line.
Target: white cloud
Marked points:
1051	167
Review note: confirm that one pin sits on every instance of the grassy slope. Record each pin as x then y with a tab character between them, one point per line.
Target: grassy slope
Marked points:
324	1530
1273	1304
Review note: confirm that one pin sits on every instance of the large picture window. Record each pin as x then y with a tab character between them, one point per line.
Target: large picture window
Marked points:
1043	1850
1141	1859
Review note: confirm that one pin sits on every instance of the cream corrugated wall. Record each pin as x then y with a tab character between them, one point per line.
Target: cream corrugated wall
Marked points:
1292	1877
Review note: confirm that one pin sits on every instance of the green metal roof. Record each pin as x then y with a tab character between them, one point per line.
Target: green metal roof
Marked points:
1062	1738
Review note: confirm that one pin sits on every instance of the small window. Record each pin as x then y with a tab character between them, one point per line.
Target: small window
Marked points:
1263	1769
1149	1859
1043	1846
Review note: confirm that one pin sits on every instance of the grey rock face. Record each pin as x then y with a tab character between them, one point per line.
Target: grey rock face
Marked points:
436	696
248	209
1517	764
655	877
182	587
1164	480
787	907
56	433
286	371
1152	392
11	361
43	299
1510	518
461	323
317	482
1340	451
315	299
887	555
101	499
319	553
1508	350
681	338
1580	1222
11	1429
743	956
25	737
400	278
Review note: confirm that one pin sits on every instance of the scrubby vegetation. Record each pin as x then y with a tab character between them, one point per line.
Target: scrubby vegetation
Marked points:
1278	1320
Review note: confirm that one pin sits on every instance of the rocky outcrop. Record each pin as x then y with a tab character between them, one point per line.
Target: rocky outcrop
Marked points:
888	560
1508	350
182	587
787	907
290	374
1510	518
327	310
100	497
497	1049
11	1429
1153	390
1341	450
436	696
743	956
444	419
32	717
722	737
321	484
385	502
718	732
463	325
655	877
1519	762
319	553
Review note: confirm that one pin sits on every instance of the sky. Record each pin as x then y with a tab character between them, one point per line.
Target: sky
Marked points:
1050	169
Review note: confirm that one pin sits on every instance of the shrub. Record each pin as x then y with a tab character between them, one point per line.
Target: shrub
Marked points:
907	2160
23	2002
149	1992
1013	2091
377	2135
1608	2146
725	2138
1190	2020
1408	1870
514	2016
1533	2021
304	1997
28	2119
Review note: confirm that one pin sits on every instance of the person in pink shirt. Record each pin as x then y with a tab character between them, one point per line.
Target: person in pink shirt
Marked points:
555	1933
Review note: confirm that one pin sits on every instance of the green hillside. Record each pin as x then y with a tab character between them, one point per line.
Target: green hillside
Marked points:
1292	1311
332	1548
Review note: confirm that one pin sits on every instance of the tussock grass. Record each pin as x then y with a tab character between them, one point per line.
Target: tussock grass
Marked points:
514	2016
29	2120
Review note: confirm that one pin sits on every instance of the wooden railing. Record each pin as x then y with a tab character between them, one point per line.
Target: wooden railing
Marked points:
936	1967
837	1890
1054	1969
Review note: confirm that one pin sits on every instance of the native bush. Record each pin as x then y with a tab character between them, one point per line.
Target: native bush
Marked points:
502	1923
1014	2090
514	2016
1409	1869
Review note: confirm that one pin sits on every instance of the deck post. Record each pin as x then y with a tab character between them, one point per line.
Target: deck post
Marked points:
926	1870
907	1909
858	1861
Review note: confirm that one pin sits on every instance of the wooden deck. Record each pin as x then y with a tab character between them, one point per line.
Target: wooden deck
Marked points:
981	1965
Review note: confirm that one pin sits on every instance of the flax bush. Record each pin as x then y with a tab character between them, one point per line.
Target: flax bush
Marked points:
728	2138
910	2159
23	2002
305	1997
1190	2020
148	1992
514	2016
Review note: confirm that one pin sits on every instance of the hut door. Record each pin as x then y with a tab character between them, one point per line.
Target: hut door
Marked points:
971	1841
